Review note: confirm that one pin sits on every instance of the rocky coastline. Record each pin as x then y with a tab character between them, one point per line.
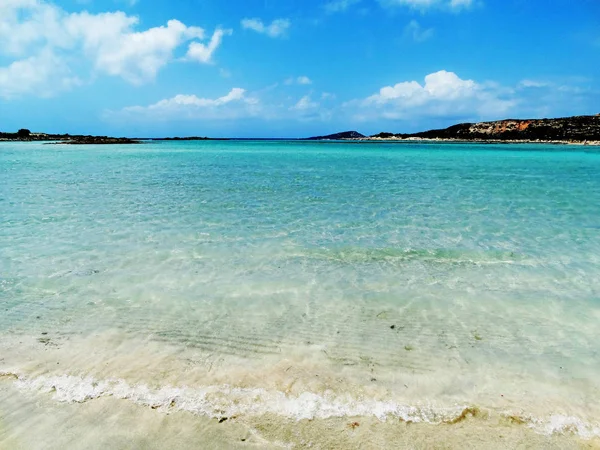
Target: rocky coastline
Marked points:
484	141
579	130
24	135
576	130
96	140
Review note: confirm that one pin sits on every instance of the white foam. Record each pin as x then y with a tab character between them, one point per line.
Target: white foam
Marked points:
561	424
219	401
227	401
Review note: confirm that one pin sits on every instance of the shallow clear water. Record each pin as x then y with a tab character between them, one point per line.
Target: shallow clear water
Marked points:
306	280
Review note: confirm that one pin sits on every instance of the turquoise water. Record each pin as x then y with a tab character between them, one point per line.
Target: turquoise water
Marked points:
306	280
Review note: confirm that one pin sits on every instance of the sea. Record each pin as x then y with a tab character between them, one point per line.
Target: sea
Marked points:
297	294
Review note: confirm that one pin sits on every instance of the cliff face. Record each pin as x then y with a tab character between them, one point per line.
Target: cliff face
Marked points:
578	128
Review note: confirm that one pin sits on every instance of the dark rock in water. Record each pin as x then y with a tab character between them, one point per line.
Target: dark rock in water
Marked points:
338	136
95	140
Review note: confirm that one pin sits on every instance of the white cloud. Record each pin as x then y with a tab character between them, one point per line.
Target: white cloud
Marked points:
442	98
443	94
533	84
44	74
339	5
453	5
277	28
304	103
264	105
108	42
191	100
233	105
115	49
303	80
203	52
440	85
417	33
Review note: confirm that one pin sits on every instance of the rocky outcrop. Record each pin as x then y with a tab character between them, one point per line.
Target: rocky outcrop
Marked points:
65	138
98	140
577	129
338	136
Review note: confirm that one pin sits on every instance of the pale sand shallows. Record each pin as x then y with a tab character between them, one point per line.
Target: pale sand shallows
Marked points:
34	423
152	396
202	293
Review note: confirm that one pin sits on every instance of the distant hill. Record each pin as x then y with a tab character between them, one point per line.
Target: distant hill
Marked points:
337	136
577	128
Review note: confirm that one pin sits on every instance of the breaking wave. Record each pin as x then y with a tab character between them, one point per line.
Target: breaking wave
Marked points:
225	401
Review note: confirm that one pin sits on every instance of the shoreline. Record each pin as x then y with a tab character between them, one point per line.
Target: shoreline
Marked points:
116	141
478	141
258	398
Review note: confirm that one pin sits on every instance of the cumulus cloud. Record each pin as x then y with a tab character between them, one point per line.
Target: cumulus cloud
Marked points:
203	52
441	98
44	74
234	104
417	33
115	49
277	28
442	94
453	5
31	30
264	105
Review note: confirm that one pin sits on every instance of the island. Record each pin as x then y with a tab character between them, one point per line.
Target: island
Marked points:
24	135
337	136
567	130
583	130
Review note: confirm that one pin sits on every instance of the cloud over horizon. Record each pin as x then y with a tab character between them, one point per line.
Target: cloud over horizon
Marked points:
442	94
235	104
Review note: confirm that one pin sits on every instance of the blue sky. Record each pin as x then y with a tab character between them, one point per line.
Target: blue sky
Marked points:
283	68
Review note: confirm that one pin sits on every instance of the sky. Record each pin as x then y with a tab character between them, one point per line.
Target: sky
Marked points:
292	68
